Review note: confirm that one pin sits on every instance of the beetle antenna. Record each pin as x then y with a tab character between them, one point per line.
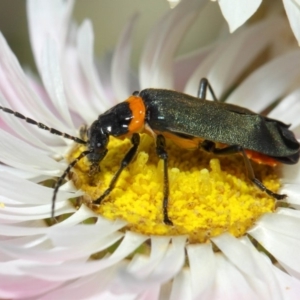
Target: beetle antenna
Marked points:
63	176
43	126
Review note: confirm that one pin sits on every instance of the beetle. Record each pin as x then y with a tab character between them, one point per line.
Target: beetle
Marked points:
192	123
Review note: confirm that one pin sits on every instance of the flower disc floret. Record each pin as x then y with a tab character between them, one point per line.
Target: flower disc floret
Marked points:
209	195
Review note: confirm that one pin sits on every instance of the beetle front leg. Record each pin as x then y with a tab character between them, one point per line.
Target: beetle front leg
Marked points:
162	154
135	140
211	147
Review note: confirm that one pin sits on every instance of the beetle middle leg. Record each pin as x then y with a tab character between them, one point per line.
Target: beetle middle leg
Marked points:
234	149
162	154
135	140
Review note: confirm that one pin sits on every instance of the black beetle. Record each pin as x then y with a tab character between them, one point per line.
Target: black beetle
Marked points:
191	123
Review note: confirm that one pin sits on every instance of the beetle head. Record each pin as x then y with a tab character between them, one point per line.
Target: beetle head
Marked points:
113	122
97	143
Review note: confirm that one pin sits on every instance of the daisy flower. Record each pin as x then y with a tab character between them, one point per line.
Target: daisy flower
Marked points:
229	241
237	12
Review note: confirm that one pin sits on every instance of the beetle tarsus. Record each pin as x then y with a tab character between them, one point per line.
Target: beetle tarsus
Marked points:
97	202
167	221
267	191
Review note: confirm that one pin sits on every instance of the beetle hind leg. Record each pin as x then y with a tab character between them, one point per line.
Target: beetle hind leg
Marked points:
235	149
203	86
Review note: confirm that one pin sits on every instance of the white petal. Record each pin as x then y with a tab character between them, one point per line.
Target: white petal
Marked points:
23	174
237	253
25	242
34	227
289	285
283	111
288	212
268	83
290	174
14	87
52	18
292	9
79	216
73	236
121	62
29	159
172	261
23	286
203	270
281	240
141	266
79	92
276	288
152	293
293	192
85	43
104	69
89	287
157	58
230	59
11	212
181	288
203	69
38	252
186	65
286	225
52	78
242	257
13	187
58	272
62	209
15	230
27	132
237	12
163	270
296	131
230	283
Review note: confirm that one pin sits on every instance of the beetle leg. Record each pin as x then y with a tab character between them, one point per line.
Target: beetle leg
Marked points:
162	154
63	176
210	147
203	85
135	140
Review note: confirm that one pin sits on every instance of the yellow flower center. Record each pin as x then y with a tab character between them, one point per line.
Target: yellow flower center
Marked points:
209	195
